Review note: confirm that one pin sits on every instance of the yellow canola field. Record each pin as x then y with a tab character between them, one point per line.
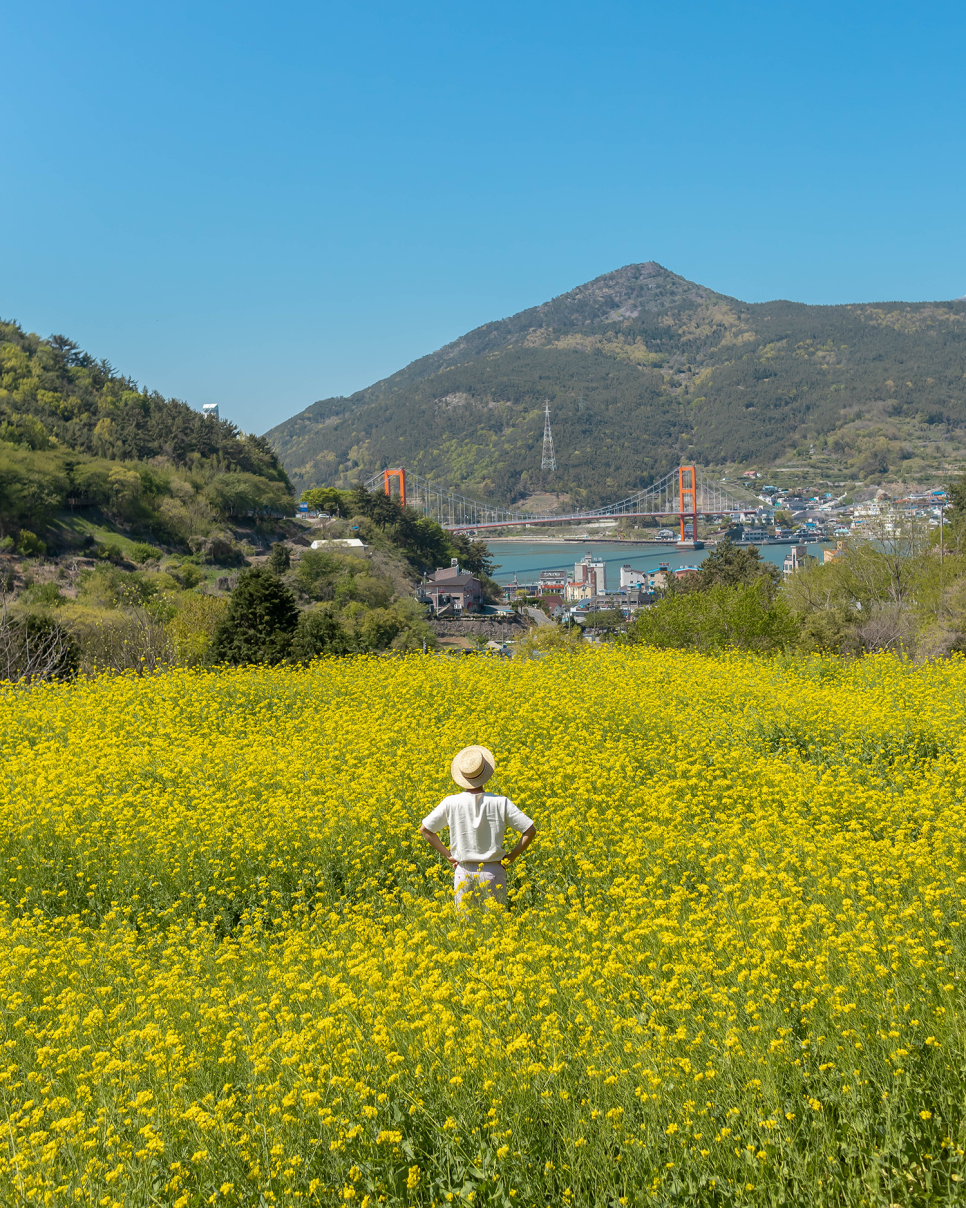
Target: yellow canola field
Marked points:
731	972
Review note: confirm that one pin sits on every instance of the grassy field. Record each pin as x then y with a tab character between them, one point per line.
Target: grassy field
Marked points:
731	972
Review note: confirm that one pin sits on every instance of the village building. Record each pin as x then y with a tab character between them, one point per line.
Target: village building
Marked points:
591	568
579	591
795	559
632	578
451	591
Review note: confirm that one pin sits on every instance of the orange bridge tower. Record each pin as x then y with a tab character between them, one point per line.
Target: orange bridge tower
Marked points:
688	497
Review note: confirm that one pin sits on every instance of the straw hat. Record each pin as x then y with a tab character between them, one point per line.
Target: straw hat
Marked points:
472	767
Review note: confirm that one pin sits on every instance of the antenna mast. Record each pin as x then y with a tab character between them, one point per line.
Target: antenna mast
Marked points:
548	462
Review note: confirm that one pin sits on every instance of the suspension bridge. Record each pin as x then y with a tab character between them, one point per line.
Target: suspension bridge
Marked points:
684	494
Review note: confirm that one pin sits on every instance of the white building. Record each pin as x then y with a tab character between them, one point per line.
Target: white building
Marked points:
633	578
353	544
795	559
210	409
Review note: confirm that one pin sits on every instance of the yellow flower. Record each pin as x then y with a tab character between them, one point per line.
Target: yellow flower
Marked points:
226	949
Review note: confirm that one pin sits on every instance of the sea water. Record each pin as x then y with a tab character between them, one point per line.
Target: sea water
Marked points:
526	559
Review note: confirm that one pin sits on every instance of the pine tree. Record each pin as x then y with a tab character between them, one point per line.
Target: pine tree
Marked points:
279	560
260	622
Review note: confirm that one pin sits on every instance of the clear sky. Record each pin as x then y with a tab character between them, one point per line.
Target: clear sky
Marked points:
263	205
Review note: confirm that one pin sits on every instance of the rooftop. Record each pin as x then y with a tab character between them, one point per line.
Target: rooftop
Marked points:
447	580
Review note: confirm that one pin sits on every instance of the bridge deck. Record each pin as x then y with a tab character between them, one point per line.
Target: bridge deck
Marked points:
577	517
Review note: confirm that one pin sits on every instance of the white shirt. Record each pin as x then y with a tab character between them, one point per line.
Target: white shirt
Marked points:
477	823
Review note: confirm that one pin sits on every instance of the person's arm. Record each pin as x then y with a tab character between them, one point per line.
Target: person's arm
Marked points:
526	839
434	841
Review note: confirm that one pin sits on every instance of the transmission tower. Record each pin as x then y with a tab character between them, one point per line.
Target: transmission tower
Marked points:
548	462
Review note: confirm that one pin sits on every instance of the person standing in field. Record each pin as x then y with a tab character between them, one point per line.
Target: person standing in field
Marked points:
477	822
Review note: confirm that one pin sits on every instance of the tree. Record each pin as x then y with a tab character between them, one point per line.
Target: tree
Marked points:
955	518
375	505
318	633
731	565
325	499
242	494
378	627
743	617
548	639
876	592
783	519
260	622
474	556
193	625
886	565
610	620
280	559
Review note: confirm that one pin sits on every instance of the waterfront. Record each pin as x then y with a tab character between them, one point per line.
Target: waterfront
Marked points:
525	560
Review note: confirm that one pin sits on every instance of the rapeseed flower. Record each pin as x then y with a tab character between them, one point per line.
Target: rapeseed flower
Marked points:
731	969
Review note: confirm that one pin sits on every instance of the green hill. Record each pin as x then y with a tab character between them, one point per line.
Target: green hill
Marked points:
74	433
643	369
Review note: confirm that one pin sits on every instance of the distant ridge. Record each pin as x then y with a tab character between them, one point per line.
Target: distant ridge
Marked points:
642	368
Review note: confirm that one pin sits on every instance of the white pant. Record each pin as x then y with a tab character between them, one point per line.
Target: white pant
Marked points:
477	882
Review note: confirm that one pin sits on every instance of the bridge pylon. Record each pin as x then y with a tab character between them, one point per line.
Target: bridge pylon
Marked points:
688	496
400	476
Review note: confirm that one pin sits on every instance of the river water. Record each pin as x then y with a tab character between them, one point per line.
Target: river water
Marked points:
526	559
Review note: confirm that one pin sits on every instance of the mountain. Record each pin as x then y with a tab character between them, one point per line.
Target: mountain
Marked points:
643	369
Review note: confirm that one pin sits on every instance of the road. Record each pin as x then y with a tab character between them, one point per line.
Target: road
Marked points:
538	617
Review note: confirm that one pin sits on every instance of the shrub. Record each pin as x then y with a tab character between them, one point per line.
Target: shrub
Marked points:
141	552
36	647
187	575
30	545
220	548
193	626
110	552
110	587
129	639
46	595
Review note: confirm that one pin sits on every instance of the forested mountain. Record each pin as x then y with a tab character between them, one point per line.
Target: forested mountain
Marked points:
72	429
51	393
643	369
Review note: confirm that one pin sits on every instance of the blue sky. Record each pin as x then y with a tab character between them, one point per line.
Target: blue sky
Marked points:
260	206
